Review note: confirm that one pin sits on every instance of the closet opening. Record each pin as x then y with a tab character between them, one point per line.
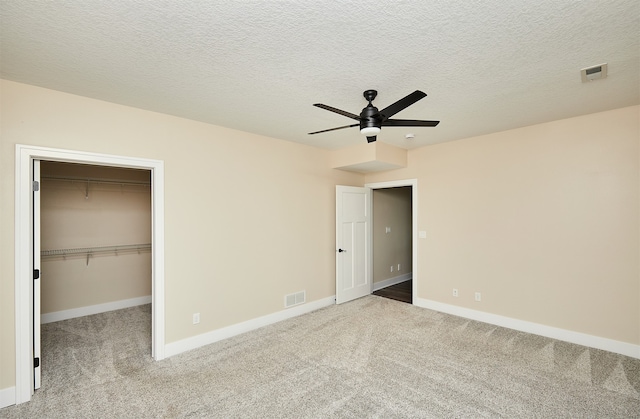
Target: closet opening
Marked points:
95	271
27	259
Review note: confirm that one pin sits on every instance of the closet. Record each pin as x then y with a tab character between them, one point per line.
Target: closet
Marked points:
95	239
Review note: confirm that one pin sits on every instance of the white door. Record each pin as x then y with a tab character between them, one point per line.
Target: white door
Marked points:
353	243
35	220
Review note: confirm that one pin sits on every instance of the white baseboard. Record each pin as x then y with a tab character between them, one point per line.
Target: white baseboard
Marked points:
591	341
7	397
391	281
57	316
198	341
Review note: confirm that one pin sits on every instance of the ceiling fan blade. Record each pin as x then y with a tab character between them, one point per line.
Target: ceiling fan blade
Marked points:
333	129
338	111
408	123
405	102
371	139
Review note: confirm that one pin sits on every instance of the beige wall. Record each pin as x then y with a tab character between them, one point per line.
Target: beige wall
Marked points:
391	208
542	220
108	215
248	218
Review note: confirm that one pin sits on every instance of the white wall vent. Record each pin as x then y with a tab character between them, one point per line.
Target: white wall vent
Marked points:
594	73
295	299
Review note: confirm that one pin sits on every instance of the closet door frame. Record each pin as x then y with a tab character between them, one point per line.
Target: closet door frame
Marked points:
25	156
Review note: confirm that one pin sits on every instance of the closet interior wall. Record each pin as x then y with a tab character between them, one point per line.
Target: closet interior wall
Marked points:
84	210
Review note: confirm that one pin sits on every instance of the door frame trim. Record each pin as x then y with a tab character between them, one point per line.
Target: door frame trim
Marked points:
25	155
414	225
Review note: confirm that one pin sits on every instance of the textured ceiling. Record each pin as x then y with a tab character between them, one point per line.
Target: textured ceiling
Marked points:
258	66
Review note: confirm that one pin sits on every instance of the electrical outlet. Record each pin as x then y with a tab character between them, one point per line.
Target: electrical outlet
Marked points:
196	318
391	270
478	296
455	292
398	267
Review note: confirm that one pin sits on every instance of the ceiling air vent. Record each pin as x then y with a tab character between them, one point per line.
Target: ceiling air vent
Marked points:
594	73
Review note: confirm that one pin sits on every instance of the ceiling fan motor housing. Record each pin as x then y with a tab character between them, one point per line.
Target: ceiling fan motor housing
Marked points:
369	117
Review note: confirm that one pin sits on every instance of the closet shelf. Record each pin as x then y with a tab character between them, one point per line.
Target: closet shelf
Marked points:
97	180
90	251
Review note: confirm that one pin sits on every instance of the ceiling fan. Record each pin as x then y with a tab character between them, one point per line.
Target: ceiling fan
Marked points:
371	120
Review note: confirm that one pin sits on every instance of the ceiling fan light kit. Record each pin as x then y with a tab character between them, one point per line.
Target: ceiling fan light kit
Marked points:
369	131
371	120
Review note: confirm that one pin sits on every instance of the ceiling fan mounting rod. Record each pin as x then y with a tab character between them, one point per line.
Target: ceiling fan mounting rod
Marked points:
370	95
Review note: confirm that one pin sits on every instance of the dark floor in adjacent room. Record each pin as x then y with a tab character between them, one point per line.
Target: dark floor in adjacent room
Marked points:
399	292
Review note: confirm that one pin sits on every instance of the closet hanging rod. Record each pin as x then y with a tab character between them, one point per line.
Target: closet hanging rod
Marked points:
94	250
97	180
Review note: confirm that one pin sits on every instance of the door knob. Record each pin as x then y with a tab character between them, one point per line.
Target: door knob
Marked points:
341	250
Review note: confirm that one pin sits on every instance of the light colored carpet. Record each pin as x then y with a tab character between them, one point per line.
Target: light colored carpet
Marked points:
372	357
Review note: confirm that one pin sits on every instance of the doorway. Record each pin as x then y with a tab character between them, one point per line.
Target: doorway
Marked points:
391	212
24	242
95	251
95	239
395	246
